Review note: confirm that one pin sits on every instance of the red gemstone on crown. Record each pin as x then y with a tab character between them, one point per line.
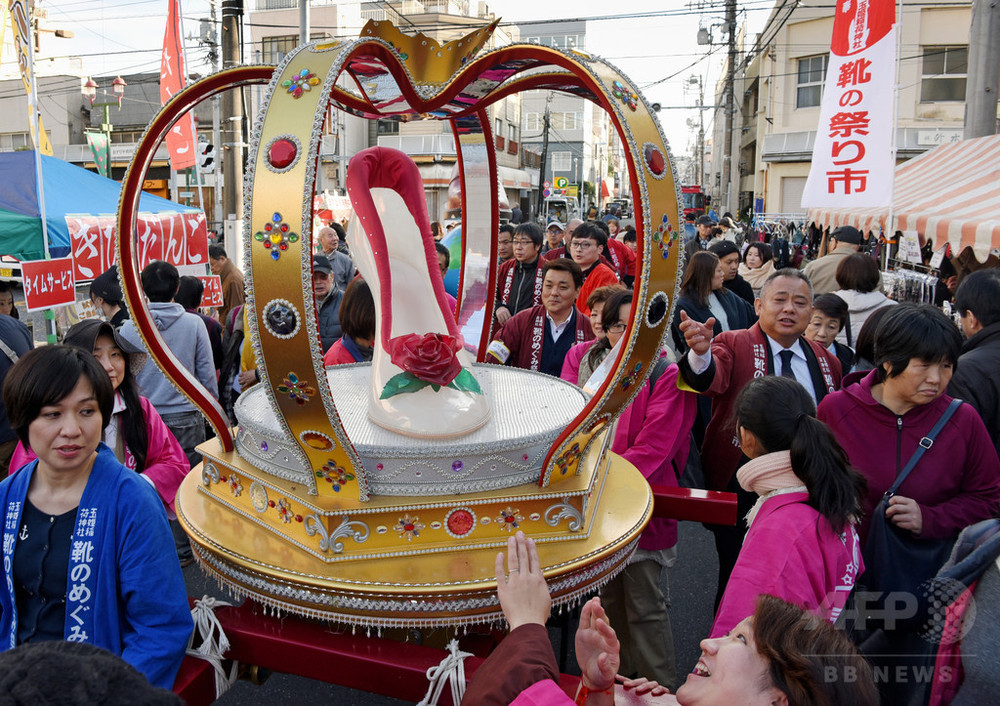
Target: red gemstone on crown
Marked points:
655	160
460	522
281	153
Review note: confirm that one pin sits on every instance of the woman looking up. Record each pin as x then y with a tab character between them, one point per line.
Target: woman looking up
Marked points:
88	554
779	656
802	545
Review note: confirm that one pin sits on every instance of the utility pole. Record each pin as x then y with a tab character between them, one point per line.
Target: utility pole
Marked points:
303	21
213	55
232	111
545	154
983	84
730	110
700	170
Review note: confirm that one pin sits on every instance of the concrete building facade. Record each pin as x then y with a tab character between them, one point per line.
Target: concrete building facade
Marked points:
779	88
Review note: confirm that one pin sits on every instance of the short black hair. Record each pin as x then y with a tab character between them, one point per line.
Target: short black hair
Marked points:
506	228
833	306
216	251
532	230
46	375
858	272
341	233
106	286
979	293
564	264
443	250
593	231
189	292
763	250
724	248
160	280
357	310
629	235
914	331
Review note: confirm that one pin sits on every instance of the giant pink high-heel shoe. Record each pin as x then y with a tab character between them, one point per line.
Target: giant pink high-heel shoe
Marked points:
422	382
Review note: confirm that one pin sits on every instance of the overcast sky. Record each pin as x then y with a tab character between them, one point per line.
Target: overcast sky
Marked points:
651	41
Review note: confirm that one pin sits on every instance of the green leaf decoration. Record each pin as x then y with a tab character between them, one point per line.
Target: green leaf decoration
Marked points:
466	382
403	382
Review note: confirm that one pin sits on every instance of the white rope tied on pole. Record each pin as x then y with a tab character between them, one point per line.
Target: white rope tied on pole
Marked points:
214	643
451	669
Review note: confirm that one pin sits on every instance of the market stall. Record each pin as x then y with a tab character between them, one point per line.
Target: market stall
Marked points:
949	195
81	212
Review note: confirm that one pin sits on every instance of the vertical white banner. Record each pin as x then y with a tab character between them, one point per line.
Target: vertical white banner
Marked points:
852	163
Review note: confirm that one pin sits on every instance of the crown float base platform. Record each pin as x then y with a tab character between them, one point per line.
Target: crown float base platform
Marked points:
439	581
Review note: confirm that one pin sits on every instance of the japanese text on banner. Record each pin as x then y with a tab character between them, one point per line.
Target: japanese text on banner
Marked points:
852	162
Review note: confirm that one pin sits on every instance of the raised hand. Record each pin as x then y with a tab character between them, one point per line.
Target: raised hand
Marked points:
523	593
697	335
597	647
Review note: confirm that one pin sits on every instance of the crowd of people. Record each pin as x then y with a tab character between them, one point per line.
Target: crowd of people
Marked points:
807	393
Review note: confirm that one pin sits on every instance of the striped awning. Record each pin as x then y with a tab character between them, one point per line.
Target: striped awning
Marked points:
950	194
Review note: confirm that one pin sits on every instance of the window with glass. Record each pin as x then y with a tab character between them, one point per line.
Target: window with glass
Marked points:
532	122
811	75
564	121
273	49
943	73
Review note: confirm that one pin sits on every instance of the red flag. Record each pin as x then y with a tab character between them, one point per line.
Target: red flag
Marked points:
180	139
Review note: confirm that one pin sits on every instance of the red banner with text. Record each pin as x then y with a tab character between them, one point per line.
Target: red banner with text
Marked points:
179	238
212	296
852	163
48	283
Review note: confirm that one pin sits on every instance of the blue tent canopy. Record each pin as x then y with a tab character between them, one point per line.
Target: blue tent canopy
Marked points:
68	190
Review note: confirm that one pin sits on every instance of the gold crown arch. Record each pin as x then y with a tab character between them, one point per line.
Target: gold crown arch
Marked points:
321	493
411	77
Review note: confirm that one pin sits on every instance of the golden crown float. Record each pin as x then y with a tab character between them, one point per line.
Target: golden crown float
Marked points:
377	494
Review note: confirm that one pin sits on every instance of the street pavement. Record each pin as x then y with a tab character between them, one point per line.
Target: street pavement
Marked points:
692	590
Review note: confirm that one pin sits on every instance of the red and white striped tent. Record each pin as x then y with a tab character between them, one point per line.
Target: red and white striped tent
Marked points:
949	194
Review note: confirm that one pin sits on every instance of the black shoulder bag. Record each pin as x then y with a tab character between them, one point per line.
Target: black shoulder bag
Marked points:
895	560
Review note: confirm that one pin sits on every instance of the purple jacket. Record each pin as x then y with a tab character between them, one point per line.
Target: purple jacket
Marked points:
956	483
654	436
791	552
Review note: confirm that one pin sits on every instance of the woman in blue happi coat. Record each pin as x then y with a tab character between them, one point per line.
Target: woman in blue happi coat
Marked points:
88	555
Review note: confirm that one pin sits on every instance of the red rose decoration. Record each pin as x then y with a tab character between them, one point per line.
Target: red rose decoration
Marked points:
430	357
